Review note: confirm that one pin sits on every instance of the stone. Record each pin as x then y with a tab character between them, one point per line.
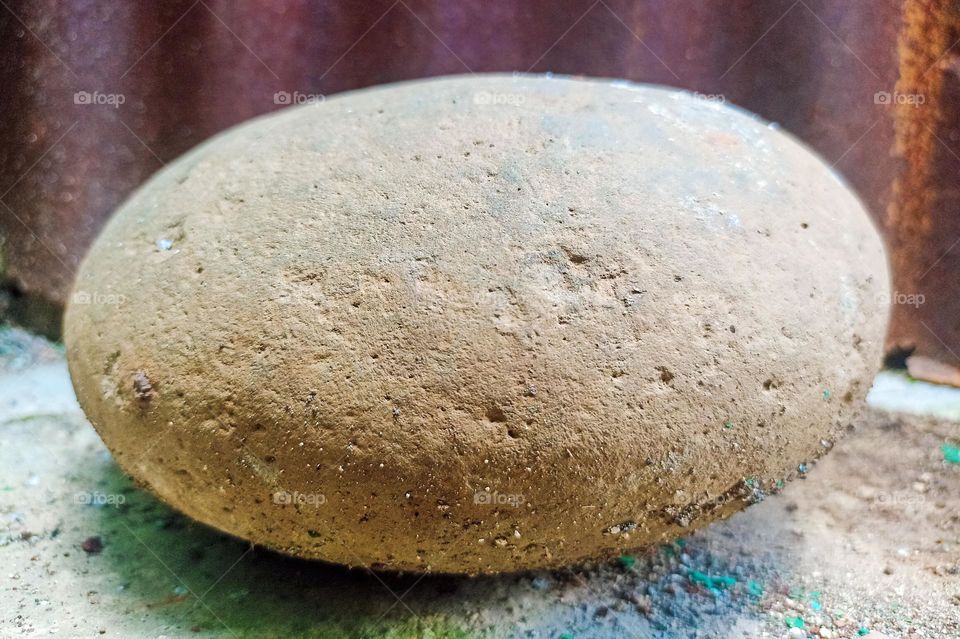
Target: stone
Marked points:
479	324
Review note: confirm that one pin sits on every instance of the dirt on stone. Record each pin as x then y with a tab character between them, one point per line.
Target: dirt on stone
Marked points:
318	331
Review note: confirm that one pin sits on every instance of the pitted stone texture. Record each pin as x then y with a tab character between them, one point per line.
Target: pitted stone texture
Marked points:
479	324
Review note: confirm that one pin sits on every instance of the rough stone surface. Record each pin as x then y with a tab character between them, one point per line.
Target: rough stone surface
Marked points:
479	324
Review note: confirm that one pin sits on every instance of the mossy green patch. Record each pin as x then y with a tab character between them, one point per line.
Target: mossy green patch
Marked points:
406	629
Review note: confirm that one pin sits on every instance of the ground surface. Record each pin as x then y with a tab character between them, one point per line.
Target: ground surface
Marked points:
868	544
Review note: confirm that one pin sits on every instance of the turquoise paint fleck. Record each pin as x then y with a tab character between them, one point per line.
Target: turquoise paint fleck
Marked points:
815	600
719	582
794	622
951	454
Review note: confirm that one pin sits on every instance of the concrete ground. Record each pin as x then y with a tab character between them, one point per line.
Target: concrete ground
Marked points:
867	545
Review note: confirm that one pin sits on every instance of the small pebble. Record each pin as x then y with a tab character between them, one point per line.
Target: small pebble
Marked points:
92	545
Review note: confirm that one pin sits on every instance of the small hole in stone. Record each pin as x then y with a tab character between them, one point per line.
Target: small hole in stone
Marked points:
495	414
665	375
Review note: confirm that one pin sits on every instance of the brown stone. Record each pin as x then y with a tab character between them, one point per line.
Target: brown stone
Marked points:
479	324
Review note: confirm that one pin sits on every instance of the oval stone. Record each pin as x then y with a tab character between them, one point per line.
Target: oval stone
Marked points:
479	324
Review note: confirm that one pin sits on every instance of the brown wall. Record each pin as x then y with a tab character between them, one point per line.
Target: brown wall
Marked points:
923	224
188	69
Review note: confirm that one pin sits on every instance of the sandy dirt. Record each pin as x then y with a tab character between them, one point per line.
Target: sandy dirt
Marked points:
867	545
